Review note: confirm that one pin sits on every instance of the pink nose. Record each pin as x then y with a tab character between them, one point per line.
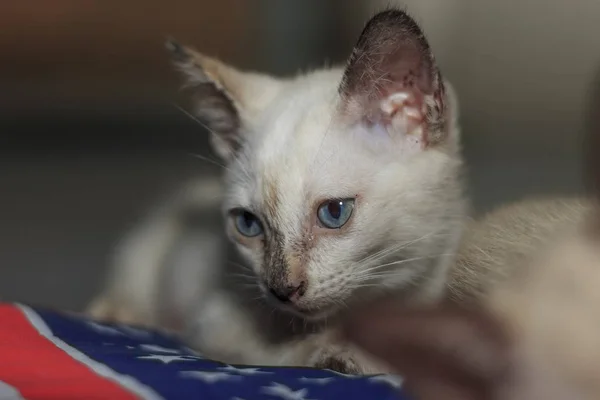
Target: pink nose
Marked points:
289	293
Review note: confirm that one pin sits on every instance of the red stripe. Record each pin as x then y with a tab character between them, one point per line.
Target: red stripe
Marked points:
42	371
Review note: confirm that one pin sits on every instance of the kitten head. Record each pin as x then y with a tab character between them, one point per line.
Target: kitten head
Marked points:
341	182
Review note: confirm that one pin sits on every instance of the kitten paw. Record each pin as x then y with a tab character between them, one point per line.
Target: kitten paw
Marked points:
342	363
103	309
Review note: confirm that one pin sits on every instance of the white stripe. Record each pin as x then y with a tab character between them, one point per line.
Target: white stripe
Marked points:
8	392
125	381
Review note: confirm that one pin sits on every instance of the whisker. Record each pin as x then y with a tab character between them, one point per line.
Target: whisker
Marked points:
397	247
379	271
405	260
365	285
244	276
193	118
209	160
242	266
248	285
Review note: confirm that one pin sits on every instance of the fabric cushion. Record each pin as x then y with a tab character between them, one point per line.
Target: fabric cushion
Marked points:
52	355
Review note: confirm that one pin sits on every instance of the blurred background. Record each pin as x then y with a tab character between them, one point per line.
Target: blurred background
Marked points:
90	135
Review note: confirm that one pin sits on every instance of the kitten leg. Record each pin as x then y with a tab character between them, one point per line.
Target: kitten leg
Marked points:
163	291
224	330
131	293
104	309
339	362
346	359
159	254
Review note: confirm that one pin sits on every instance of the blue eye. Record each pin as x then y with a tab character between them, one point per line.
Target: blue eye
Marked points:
334	214
247	223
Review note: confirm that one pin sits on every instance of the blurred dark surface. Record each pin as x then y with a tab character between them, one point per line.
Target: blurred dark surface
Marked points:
90	134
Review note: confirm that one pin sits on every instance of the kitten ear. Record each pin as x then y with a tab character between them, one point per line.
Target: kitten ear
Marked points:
445	352
225	99
392	81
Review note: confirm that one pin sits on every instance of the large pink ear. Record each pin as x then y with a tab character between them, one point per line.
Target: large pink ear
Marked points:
442	353
392	81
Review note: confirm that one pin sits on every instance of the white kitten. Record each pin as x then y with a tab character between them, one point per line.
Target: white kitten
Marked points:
341	184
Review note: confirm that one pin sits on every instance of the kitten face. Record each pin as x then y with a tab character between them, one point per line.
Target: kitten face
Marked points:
340	183
296	160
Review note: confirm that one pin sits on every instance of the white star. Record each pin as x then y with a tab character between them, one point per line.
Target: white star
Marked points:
316	381
103	329
284	392
152	348
391	380
210	377
244	371
165	359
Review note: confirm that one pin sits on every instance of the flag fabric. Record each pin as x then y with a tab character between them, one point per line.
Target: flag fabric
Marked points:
48	355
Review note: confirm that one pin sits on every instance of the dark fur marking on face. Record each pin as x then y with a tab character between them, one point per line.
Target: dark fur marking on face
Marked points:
301	247
276	269
275	264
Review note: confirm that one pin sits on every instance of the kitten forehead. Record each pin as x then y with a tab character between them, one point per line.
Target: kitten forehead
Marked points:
281	143
299	117
292	134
